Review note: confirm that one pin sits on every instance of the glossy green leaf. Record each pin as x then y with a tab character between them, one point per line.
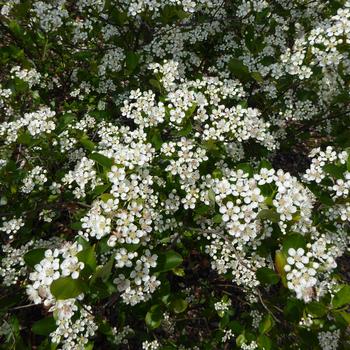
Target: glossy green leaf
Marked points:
169	260
44	326
154	317
179	305
266	324
316	308
101	159
87	143
66	288
34	256
342	297
294	240
267	276
333	170
264	342
88	257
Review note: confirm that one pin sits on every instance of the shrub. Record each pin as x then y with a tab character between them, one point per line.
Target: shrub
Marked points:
175	174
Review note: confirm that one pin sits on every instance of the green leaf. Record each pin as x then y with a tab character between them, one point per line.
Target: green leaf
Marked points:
100	189
240	340
132	60
15	28
238	69
334	170
156	139
154	317
191	110
266	324
258	77
44	326
202	209
25	138
246	167
316	309
280	262
293	311
87	143
169	260
269	214
85	244
68	118
76	225
179	271
66	288
34	256
103	272
106	196
101	159
346	316
186	130
342	297
155	83
217	219
211	196
89	346
88	257
265	164
267	276
118	16
179	305
216	174
295	240
264	342
325	198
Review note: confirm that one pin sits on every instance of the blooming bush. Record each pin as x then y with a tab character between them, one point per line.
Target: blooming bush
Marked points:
175	174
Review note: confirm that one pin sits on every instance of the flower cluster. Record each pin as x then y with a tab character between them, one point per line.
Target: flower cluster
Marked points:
58	262
35	123
155	184
10	227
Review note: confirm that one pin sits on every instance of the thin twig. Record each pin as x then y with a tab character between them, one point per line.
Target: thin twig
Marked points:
266	308
22	307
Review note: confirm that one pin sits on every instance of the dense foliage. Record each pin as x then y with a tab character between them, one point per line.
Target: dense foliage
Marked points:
174	174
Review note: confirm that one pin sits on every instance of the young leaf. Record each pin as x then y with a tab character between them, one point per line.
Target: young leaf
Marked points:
264	342
154	317
266	324
280	262
217	219
179	305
